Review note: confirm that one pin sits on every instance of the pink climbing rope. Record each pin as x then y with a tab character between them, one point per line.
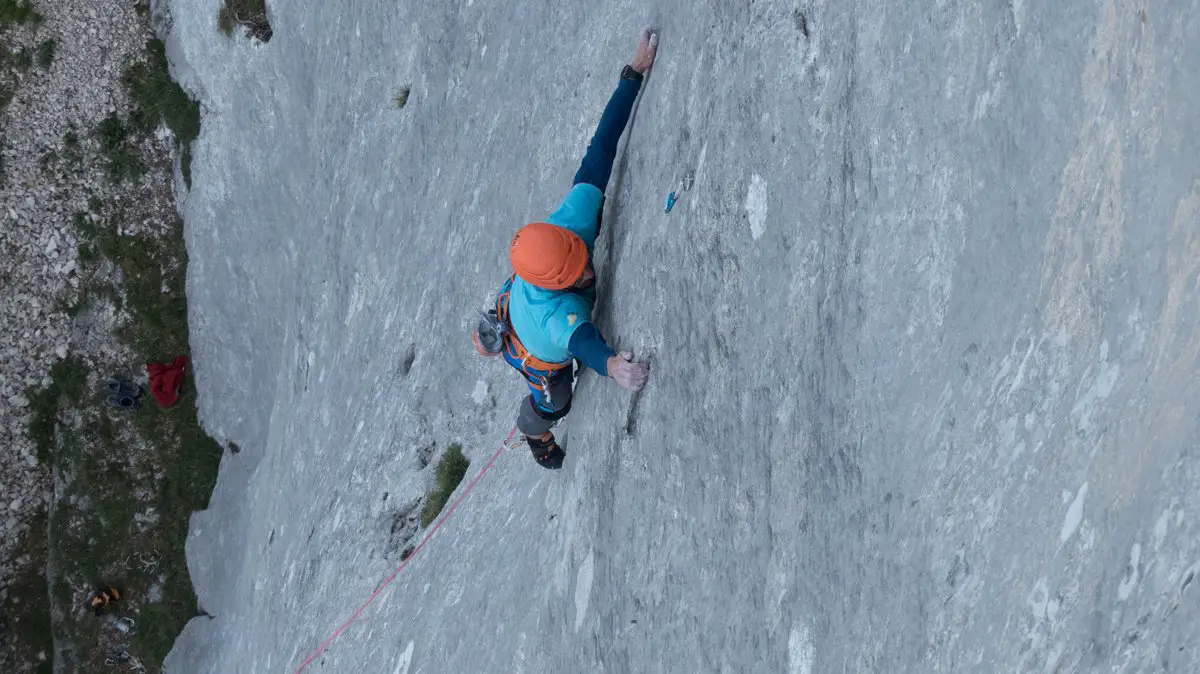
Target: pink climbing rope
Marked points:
382	586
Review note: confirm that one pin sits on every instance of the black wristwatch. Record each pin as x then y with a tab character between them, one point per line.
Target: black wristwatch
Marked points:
628	73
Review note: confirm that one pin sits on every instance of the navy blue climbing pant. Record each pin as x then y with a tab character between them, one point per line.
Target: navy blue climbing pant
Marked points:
597	164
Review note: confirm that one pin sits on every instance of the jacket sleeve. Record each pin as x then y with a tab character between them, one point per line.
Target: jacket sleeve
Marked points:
588	345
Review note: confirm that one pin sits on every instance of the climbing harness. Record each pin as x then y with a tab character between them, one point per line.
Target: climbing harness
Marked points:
515	352
513	346
387	581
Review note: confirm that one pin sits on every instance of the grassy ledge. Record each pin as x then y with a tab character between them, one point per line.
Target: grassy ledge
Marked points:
157	99
250	14
18	12
134	477
450	472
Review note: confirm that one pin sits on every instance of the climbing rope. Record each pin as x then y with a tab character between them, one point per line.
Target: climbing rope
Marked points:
382	586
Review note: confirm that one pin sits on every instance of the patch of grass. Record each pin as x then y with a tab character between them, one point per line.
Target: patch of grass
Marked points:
190	458
23	59
226	20
45	53
106	432
97	531
185	166
97	240
18	12
249	13
71	153
124	160
70	157
400	98
86	254
27	605
47	162
111	133
157	98
84	225
245	10
191	474
450	471
6	94
67	378
83	540
67	303
154	291
184	463
87	294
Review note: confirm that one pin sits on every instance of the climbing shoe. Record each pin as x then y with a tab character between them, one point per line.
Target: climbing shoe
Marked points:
546	451
123	402
123	388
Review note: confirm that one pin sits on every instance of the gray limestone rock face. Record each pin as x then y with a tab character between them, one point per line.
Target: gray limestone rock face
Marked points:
924	336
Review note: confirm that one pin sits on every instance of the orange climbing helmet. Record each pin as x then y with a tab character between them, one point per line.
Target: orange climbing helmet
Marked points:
548	256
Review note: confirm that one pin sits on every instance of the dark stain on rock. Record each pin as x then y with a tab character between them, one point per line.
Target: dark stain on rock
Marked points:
801	20
407	362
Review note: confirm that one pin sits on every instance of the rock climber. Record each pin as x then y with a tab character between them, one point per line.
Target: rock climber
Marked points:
542	319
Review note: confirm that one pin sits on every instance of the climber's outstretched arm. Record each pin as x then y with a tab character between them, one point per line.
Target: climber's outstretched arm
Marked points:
597	164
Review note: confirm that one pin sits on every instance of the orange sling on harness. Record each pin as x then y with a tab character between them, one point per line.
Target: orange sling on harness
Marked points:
513	346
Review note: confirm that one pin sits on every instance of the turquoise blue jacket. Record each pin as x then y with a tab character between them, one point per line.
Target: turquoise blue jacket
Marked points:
545	320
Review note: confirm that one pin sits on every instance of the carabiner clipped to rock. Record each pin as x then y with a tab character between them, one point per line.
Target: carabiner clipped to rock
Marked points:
684	185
